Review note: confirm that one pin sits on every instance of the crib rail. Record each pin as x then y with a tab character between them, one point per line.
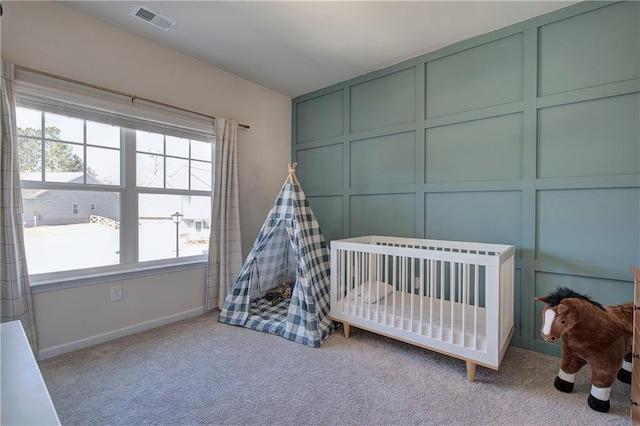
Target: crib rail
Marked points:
451	296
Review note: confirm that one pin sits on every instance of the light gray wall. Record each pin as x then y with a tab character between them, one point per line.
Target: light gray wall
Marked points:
54	38
529	136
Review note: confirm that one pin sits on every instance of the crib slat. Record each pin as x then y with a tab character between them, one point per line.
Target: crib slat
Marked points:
421	294
349	279
476	304
395	284
373	288
432	292
411	284
403	289
385	259
413	276
376	269
452	289
458	298
343	277
463	304
442	295
359	281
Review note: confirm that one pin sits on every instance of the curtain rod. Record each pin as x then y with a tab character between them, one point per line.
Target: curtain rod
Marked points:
117	92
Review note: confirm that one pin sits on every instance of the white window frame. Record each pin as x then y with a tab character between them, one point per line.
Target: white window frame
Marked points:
50	95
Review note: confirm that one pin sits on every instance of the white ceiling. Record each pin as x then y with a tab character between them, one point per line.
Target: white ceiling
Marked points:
295	47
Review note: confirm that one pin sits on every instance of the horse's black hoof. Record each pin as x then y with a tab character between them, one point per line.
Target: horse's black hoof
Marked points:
598	405
563	385
624	376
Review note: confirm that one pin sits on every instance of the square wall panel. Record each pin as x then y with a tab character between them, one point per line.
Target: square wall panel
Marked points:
486	75
312	170
480	150
594	138
319	118
590	49
384	101
484	217
383	214
386	160
328	211
593	226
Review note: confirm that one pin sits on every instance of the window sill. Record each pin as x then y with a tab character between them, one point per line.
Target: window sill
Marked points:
54	284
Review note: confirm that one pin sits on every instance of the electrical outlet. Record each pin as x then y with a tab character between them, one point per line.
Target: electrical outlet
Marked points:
116	293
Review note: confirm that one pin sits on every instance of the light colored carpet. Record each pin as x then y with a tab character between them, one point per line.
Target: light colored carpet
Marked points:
199	371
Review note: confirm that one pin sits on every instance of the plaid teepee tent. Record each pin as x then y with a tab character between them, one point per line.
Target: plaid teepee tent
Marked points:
290	243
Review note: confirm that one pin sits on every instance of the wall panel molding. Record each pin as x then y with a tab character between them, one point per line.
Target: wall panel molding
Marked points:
528	135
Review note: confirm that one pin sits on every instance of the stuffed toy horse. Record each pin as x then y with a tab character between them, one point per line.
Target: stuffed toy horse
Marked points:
591	334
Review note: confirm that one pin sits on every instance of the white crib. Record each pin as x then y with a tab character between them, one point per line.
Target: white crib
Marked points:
451	297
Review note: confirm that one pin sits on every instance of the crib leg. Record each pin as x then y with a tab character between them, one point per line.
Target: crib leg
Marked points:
347	329
471	371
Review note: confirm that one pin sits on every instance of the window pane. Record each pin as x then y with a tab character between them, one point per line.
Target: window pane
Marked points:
59	127
29	122
201	150
150	171
158	232
177	173
103	134
200	176
59	239
103	166
149	142
30	152
177	147
63	162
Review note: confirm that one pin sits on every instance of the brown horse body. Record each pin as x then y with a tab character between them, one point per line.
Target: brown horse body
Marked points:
591	334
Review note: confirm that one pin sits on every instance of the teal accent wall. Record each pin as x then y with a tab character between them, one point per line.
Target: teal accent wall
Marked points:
529	135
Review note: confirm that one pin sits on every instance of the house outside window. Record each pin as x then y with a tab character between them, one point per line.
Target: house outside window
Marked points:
79	160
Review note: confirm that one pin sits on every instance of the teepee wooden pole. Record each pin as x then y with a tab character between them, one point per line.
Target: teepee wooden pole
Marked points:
292	178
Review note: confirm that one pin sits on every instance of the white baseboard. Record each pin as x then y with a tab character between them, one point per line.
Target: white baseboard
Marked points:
116	334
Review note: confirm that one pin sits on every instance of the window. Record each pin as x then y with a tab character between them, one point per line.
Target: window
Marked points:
123	185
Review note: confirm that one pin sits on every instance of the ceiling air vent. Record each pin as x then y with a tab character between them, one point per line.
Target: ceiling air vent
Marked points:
153	18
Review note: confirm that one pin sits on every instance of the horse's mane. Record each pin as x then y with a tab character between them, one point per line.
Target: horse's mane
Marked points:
554	298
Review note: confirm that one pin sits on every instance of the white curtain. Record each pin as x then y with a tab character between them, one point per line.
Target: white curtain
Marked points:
14	277
225	251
